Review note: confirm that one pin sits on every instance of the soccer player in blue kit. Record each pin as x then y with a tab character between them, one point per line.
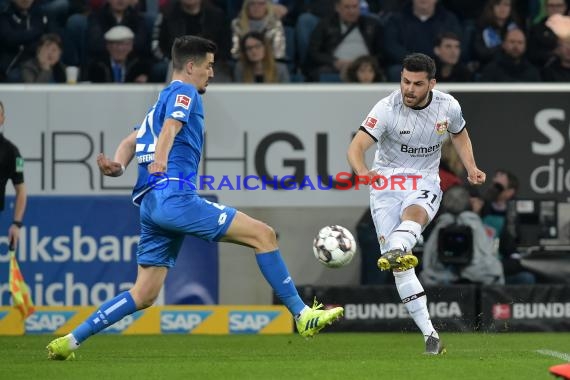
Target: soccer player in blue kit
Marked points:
168	147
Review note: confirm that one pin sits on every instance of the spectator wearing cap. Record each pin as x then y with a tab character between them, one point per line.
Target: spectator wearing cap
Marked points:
120	63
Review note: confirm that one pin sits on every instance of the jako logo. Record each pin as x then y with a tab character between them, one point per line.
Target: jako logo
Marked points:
250	322
405	132
123	324
47	321
181	321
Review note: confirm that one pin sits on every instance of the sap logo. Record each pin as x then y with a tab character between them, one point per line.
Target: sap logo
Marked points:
123	324
250	322
47	321
405	132
181	321
3	314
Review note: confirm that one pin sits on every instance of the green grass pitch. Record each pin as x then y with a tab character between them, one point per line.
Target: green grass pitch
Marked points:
355	356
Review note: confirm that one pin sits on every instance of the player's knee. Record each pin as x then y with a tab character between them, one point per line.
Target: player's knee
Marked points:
266	236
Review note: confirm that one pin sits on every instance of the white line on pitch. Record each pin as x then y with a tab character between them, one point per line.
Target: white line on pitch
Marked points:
556	354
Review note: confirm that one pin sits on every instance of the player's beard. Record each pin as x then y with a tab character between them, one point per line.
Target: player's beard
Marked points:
417	99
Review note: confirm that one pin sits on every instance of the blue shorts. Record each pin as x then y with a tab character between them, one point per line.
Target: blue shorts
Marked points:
167	217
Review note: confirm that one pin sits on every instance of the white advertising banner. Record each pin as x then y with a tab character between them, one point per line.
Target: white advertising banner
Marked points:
256	141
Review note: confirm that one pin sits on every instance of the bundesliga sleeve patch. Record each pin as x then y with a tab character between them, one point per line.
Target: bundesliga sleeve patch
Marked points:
182	101
370	122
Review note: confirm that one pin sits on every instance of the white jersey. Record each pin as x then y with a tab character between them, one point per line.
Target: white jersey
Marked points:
408	139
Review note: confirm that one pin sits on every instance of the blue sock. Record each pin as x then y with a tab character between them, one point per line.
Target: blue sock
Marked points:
110	312
275	272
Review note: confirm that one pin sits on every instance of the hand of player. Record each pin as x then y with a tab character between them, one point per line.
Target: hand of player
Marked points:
108	167
156	167
476	176
371	174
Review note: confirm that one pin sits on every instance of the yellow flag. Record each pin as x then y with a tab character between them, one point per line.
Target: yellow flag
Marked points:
20	291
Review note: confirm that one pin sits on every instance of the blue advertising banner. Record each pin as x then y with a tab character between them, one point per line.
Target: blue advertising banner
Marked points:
81	250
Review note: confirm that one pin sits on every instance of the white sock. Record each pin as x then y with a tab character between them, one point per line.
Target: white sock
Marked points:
413	296
405	236
73	345
298	316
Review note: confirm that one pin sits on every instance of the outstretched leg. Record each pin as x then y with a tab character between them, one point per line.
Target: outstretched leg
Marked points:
142	295
253	233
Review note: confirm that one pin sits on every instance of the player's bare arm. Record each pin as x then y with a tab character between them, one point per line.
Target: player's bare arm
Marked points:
169	130
462	144
123	156
361	142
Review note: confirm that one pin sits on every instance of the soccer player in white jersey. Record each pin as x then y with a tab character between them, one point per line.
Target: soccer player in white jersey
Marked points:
408	127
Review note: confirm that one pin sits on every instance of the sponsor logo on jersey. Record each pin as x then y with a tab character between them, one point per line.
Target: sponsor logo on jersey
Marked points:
182	101
441	126
405	132
47	321
370	122
250	322
423	150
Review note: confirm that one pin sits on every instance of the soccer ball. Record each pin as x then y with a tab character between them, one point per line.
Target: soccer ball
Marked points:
334	246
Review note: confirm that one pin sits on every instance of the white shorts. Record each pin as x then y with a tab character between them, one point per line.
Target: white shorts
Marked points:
387	206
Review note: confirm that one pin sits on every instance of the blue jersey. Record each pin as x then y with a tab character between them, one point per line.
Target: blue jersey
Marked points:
179	101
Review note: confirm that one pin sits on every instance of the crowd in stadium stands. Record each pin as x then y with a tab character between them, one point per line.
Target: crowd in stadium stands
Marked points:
304	40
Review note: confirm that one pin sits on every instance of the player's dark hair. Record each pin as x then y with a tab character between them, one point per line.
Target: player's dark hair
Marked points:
418	62
190	48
